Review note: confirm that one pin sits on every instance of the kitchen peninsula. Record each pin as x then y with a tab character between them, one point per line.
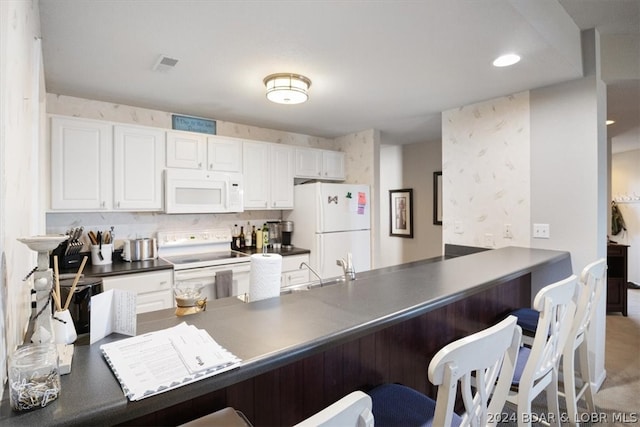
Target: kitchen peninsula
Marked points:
304	350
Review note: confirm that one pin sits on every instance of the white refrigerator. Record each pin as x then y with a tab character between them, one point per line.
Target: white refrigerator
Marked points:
332	220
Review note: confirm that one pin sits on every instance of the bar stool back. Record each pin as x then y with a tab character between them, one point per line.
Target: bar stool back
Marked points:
592	284
483	363
537	367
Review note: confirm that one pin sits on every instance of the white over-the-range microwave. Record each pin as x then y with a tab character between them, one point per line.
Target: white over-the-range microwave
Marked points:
197	191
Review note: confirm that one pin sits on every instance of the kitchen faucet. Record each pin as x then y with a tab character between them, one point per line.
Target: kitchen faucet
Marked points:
310	269
347	268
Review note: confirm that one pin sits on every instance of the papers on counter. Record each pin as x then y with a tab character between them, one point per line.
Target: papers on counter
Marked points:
159	361
113	311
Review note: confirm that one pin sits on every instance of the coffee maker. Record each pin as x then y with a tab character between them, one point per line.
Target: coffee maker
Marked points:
287	231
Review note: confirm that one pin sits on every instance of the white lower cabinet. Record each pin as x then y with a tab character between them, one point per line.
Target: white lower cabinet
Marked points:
154	289
292	274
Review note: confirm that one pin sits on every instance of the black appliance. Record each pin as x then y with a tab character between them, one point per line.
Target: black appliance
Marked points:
80	304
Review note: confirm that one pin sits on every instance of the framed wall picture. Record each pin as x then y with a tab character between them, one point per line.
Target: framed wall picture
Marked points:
193	124
437	198
401	212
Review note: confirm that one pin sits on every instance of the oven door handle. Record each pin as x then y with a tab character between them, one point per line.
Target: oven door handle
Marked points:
206	272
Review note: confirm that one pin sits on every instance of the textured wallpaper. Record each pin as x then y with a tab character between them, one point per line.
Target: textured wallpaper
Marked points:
486	172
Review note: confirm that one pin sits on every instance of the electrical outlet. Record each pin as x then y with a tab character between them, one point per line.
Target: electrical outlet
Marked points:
507	232
541	231
457	227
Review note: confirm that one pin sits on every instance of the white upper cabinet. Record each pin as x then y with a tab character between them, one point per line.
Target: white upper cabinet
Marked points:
139	157
268	176
315	163
98	166
308	163
333	165
224	154
81	164
192	150
281	176
255	170
186	150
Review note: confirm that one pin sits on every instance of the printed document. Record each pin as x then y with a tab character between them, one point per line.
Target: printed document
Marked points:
152	363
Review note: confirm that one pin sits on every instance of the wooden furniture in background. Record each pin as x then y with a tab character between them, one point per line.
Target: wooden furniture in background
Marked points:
617	278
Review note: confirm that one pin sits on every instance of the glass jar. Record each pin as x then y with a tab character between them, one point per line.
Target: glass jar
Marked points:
34	379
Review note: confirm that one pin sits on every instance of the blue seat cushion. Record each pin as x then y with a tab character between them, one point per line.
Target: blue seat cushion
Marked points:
523	356
527	319
399	405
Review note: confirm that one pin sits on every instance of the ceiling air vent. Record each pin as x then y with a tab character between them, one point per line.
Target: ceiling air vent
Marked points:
164	63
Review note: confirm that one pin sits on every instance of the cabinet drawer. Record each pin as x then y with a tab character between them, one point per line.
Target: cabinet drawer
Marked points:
140	282
296	277
153	301
292	262
616	250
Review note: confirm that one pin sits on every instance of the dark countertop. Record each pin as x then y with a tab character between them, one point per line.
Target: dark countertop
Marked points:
123	267
119	267
282	251
271	333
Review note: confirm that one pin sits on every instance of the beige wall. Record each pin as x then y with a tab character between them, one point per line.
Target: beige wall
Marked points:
410	166
21	118
625	188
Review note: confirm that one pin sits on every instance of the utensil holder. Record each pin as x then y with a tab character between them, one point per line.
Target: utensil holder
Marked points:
64	331
106	252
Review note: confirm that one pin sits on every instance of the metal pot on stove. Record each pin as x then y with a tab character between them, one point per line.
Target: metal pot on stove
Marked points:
139	249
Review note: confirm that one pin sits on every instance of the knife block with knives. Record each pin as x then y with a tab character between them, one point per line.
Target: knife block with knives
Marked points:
70	252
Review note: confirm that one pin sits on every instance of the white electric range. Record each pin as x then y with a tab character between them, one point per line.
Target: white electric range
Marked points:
198	255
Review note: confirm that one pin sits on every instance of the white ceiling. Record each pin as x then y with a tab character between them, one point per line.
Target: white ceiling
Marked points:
387	65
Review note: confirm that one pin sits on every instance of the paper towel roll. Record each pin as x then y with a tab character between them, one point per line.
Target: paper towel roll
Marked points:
264	279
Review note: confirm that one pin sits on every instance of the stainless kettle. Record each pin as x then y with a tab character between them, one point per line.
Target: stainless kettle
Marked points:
139	249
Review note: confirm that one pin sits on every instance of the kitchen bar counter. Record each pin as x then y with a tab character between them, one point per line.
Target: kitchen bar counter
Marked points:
287	344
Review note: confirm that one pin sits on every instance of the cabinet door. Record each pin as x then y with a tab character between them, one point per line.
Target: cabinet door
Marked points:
308	163
154	290
333	165
81	164
224	154
281	176
292	274
186	150
138	163
255	167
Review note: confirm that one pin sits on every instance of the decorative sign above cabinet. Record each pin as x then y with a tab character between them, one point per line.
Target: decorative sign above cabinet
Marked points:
193	124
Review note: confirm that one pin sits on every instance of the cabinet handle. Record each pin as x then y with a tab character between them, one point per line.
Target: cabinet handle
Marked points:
118	204
200	164
211	166
102	205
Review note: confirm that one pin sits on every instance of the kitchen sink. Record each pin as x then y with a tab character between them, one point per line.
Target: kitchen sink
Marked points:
312	285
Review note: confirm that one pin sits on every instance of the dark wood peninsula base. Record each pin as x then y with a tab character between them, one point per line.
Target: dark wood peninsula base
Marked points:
305	350
399	353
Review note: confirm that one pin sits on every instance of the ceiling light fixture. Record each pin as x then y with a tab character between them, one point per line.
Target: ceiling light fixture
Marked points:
506	60
287	88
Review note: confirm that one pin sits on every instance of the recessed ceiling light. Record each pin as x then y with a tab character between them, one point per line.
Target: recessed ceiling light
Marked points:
506	60
610	122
